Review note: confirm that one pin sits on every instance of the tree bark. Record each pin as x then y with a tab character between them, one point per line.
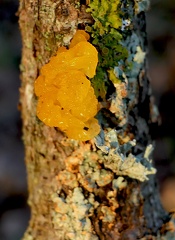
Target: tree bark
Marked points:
99	189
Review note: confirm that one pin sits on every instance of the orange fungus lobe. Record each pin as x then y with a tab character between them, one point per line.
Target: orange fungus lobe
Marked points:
66	97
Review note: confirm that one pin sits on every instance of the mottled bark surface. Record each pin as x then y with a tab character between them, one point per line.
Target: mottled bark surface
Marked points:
79	190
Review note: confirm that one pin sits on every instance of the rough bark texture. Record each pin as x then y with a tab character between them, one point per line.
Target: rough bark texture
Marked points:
80	190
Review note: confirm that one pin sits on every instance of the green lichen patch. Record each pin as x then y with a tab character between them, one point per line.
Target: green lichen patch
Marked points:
106	14
107	39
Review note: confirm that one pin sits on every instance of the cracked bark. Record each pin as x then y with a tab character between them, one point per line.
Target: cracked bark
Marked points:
53	162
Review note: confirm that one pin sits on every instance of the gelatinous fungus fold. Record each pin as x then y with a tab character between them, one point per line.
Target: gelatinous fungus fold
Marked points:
66	97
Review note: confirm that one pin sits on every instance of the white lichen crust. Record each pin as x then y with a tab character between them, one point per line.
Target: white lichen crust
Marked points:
71	215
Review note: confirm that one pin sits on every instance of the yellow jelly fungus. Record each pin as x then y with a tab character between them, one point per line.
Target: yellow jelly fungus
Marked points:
79	36
66	97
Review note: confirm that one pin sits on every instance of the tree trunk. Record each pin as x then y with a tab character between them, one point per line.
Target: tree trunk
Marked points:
98	189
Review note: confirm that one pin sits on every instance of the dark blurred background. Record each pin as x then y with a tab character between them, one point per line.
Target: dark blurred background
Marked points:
161	60
14	213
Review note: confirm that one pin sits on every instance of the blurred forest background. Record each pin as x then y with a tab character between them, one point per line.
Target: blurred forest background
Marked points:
14	213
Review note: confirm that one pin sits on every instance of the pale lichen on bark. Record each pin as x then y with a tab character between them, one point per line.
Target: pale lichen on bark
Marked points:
87	190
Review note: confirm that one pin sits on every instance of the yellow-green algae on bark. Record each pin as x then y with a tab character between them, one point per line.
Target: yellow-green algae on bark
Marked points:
107	39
